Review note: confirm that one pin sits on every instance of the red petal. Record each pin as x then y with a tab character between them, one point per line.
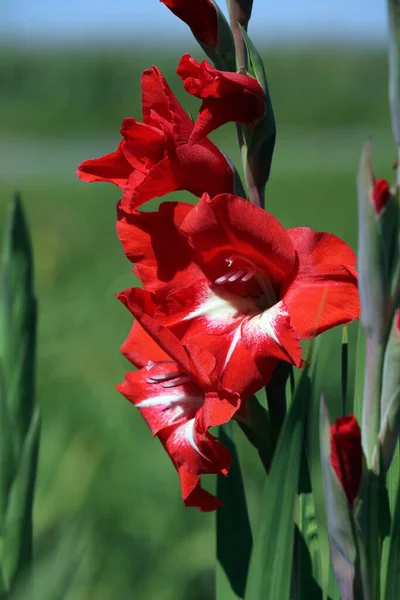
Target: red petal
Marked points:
227	225
200	15
324	293
227	97
112	167
271	335
346	454
154	242
143	144
139	348
194	495
159	100
380	195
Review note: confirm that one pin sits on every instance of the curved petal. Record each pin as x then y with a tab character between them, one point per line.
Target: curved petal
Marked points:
144	145
200	16
227	97
159	101
228	225
139	348
194	495
112	167
324	292
319	251
170	409
182	169
271	335
154	242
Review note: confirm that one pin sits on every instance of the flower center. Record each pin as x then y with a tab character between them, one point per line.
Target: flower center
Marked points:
167	379
242	269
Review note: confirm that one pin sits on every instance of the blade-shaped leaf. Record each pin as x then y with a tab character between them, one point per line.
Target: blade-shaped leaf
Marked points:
272	557
392	579
234	537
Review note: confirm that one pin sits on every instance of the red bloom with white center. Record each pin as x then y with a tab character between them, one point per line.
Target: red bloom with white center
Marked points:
155	157
346	455
227	97
200	15
178	411
243	288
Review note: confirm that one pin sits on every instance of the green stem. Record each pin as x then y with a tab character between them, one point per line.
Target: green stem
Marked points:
371	398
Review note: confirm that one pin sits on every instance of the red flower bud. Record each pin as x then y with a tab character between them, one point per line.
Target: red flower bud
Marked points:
227	97
380	195
397	318
346	454
200	15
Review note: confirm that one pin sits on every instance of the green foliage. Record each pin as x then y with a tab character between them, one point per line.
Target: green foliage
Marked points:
234	537
271	559
19	414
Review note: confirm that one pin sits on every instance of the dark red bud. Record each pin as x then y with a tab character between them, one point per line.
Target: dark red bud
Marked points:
346	455
380	195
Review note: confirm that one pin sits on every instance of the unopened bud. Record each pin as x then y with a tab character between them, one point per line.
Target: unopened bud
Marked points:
380	195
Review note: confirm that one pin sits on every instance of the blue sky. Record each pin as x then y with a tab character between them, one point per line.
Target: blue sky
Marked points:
103	21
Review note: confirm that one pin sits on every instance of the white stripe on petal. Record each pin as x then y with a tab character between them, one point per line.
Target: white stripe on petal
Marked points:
222	307
233	345
169	399
267	320
188	431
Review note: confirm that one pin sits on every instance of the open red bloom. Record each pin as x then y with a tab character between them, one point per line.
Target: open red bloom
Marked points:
227	97
237	284
346	455
200	15
179	412
155	157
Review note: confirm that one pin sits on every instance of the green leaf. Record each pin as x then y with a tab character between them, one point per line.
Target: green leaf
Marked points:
390	397
271	561
360	371
223	56
234	537
372	279
321	561
19	416
393	571
261	139
394	72
390	572
18	529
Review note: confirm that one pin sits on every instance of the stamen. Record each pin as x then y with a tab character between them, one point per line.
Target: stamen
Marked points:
225	278
237	276
163	377
175	382
249	275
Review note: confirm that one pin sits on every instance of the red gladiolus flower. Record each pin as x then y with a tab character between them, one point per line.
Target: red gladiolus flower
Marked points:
380	195
155	157
227	97
235	282
346	455
200	15
179	412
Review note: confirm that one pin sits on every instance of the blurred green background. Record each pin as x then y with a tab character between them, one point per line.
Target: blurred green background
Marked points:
109	521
